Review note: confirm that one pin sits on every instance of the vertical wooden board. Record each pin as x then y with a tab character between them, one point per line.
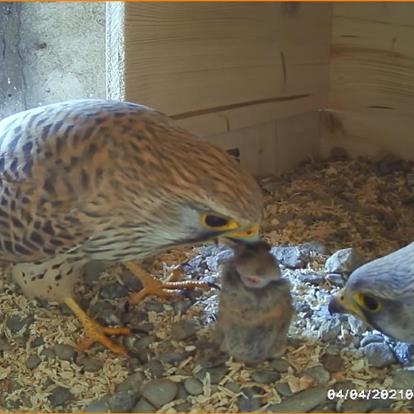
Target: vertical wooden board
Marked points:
184	57
369	132
274	147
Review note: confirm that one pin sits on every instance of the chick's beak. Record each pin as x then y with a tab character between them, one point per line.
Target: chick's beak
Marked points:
340	304
250	234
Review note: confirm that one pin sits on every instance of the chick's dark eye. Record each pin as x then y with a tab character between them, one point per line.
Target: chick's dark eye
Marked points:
371	303
215	221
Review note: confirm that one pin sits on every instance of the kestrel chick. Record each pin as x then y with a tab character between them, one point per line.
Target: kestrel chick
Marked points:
381	293
115	181
255	305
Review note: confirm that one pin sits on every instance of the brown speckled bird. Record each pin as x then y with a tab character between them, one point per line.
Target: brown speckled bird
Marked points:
115	181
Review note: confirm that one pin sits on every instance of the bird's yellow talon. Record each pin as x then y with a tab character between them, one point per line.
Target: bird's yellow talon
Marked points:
94	332
155	287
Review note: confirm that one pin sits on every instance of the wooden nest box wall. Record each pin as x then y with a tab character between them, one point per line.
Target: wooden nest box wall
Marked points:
280	82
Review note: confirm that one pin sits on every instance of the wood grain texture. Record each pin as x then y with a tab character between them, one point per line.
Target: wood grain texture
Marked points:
372	78
274	147
228	65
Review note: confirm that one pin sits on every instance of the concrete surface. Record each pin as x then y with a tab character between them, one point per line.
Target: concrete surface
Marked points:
50	52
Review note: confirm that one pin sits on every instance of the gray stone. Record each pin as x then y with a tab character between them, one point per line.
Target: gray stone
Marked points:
182	393
159	392
283	389
37	342
193	386
143	406
93	270
303	401
48	353
344	261
91	364
113	291
59	396
122	401
248	403
16	323
265	376
155	368
290	256
280	365
233	387
64	352
319	374
379	355
98	406
335	279
403	379
182	305
183	407
403	352
132	383
356	406
216	374
172	357
371	338
138	345
184	329
33	361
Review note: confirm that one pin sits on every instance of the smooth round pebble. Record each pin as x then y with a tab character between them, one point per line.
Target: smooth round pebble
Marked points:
379	355
155	368
64	352
283	389
92	364
15	323
48	353
133	382
98	406
344	261
193	386
59	396
319	374
33	361
302	401
37	342
159	391
265	376
143	406
233	387
280	365
248	403
122	401
172	357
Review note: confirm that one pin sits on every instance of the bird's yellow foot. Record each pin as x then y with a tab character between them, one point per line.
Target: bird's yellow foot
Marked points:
94	332
155	287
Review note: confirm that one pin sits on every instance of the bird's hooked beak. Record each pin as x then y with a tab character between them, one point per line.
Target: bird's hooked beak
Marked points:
342	303
248	235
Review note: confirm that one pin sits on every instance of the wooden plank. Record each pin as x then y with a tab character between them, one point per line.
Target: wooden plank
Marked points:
368	132
372	63
194	60
274	147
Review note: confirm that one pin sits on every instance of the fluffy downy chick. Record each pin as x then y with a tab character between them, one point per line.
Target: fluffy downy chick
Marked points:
255	305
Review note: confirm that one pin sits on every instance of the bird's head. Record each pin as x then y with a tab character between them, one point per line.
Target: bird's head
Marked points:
190	190
381	293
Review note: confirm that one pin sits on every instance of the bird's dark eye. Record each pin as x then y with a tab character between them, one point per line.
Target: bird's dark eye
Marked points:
370	303
215	221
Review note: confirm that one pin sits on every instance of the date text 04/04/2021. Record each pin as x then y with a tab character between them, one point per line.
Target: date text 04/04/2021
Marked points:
371	394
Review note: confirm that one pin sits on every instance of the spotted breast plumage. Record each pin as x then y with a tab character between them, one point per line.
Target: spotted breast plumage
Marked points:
114	181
